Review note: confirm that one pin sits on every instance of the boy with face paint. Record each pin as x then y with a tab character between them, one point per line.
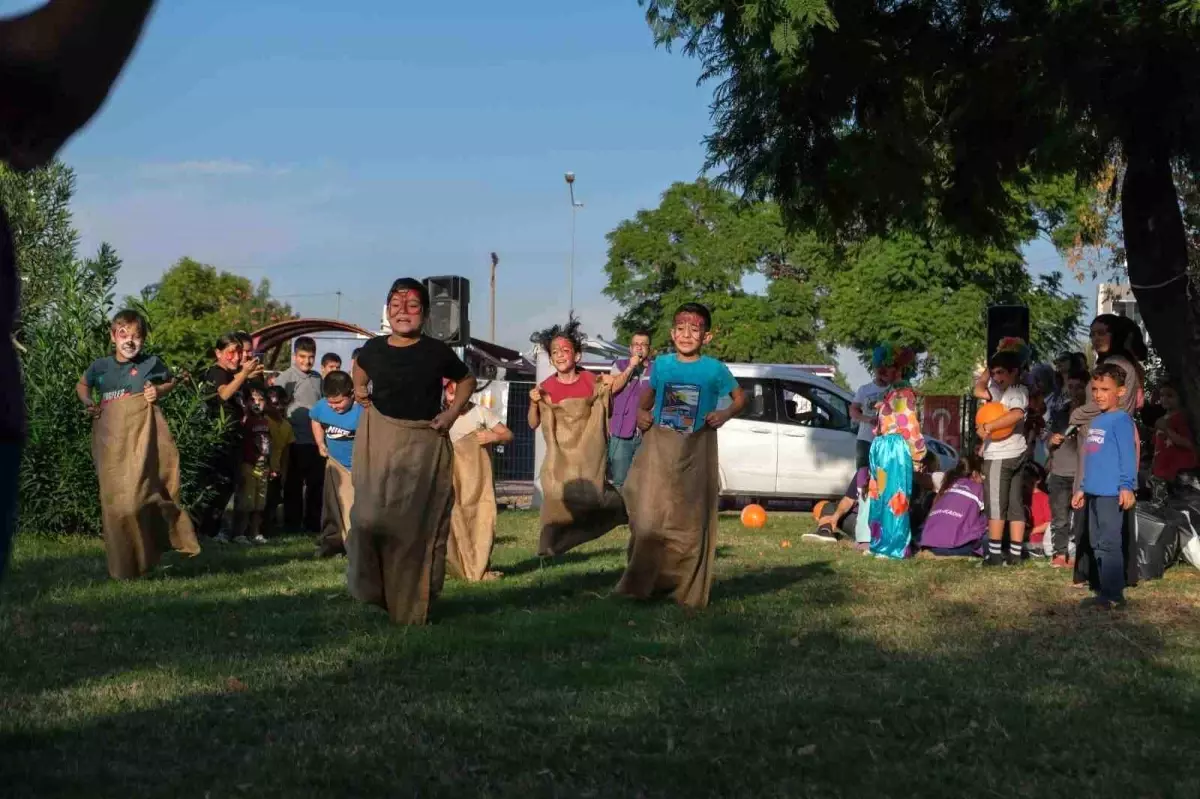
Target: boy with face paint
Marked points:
402	474
672	489
127	371
136	459
568	380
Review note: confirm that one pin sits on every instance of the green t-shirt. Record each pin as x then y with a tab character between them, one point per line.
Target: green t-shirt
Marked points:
114	379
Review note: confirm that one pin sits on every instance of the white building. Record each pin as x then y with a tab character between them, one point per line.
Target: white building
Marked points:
1117	298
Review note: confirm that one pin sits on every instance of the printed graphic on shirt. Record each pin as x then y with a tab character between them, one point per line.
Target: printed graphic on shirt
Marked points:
1095	440
681	404
338	433
258	442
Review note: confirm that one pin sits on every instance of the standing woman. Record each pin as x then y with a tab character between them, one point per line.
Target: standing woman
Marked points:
1116	340
227	379
403	475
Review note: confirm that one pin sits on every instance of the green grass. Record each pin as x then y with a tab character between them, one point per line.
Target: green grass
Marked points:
814	672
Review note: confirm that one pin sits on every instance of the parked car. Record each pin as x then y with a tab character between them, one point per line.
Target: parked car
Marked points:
795	439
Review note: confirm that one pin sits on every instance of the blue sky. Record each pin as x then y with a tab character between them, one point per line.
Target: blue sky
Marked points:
326	146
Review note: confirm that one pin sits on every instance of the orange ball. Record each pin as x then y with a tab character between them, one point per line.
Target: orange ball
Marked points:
754	516
819	509
990	412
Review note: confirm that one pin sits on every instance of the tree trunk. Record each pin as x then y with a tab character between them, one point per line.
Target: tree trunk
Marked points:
1156	249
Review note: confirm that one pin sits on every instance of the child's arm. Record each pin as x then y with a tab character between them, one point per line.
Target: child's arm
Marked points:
534	417
500	434
361	379
1127	461
718	418
1010	419
319	437
982	389
463	390
84	392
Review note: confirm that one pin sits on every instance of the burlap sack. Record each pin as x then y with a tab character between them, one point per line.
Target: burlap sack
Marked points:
578	502
473	521
138	466
671	495
403	489
338	499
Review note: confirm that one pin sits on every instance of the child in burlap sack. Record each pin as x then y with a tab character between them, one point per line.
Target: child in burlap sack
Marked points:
671	492
136	460
334	421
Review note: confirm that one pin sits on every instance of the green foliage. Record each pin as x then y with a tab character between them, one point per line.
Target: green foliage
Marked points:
64	331
193	304
701	245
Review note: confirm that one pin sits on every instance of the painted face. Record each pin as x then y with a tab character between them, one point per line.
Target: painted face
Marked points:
230	358
128	340
340	404
1101	338
405	313
689	333
563	355
451	391
257	403
1106	393
303	360
1003	378
275	405
640	346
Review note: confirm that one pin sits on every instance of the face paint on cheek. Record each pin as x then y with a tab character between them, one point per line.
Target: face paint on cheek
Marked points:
690	319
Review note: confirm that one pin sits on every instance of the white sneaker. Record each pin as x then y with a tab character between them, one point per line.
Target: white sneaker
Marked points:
259	539
221	538
241	539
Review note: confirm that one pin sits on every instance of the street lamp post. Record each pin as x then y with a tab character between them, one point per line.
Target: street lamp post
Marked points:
575	206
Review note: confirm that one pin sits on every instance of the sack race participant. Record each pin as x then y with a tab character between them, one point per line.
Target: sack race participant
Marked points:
136	459
334	421
897	446
79	48
473	520
402	461
672	488
571	407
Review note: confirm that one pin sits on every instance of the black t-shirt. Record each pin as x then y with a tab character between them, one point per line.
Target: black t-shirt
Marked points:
407	381
216	377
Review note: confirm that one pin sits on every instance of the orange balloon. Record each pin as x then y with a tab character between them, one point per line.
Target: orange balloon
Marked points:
990	412
819	509
754	516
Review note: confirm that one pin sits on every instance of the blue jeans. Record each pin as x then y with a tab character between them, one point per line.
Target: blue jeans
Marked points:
1105	519
620	457
10	471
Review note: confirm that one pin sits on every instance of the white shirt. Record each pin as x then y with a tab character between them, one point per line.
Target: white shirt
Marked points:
867	397
1014	397
478	418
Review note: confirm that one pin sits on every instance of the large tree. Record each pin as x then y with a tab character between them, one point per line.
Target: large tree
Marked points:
194	303
859	115
701	245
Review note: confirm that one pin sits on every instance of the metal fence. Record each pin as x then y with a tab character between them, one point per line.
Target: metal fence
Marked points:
514	462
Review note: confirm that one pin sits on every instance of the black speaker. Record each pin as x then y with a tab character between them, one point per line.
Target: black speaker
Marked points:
449	313
1004	321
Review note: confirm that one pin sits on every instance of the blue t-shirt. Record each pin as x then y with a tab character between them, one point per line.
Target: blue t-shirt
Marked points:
339	429
116	379
687	391
1110	455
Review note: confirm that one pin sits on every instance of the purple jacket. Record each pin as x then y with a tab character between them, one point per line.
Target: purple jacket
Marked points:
625	405
957	517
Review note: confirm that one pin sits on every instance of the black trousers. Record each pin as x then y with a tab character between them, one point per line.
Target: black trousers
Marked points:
222	480
1066	521
304	491
274	497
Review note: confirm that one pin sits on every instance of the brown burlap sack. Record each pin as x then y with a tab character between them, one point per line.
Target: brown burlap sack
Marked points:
473	522
138	466
578	503
403	490
337	500
671	494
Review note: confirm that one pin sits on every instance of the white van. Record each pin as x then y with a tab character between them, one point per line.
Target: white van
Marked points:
795	439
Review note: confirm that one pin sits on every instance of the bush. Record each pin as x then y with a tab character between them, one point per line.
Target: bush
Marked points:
59	488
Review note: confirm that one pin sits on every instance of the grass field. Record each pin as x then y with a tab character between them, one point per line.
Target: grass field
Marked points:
814	672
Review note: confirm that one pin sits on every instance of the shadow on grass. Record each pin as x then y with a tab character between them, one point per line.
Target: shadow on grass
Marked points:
536	563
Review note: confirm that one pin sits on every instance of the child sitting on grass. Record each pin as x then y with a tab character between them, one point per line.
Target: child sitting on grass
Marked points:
957	524
1174	450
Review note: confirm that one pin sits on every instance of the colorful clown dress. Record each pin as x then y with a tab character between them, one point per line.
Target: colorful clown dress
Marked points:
897	447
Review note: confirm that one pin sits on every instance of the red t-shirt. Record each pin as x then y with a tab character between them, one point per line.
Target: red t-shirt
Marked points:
557	391
1040	511
1170	460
